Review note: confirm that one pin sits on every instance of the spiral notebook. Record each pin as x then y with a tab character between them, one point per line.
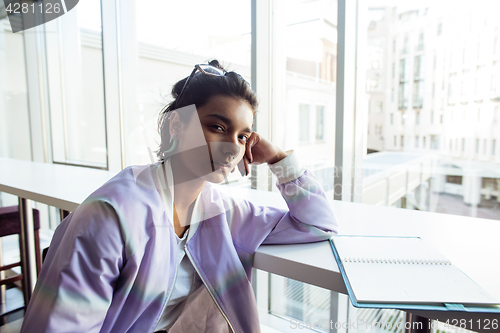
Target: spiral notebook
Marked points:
405	273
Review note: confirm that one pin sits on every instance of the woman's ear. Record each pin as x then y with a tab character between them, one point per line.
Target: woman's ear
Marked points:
175	123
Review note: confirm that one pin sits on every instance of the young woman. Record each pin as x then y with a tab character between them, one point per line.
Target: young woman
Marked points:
158	247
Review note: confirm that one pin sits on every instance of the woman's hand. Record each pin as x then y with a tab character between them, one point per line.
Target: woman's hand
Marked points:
259	150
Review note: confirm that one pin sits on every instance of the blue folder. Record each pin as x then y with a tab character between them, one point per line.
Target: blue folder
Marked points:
401	306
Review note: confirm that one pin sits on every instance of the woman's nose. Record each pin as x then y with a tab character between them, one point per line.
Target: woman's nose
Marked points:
227	149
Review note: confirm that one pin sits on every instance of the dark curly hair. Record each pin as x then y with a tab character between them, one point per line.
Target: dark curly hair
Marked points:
198	91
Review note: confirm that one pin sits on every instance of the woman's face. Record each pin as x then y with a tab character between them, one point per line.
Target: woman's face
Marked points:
226	123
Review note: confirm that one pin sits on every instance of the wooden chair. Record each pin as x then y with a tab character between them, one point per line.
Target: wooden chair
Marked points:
10	224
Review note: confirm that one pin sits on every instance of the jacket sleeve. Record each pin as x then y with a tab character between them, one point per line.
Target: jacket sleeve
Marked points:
309	217
76	283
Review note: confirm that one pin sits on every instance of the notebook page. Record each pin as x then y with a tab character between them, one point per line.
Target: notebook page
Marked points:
404	270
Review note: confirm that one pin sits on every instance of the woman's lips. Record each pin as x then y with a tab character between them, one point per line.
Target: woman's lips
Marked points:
222	166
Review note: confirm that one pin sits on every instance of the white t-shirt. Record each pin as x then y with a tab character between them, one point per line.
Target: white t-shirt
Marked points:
186	279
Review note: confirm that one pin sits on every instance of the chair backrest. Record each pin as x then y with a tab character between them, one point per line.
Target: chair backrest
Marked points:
10	220
10	224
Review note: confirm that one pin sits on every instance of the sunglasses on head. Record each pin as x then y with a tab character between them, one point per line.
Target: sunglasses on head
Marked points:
207	70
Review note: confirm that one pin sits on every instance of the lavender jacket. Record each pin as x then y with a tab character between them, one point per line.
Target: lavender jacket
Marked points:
111	264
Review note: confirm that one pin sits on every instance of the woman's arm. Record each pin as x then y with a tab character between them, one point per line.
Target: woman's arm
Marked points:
76	283
309	218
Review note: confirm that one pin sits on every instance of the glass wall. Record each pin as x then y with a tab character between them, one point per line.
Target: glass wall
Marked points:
440	129
432	145
163	47
304	84
303	119
15	136
75	80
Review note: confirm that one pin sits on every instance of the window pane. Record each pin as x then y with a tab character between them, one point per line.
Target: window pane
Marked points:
76	86
303	93
449	102
442	120
14	114
305	303
170	40
320	122
303	113
304	122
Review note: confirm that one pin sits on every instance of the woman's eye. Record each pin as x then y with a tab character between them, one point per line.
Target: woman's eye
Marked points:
217	127
244	138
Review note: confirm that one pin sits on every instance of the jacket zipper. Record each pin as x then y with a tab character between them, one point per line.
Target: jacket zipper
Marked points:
210	292
168	299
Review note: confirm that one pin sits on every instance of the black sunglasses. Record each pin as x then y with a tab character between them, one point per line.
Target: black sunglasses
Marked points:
207	70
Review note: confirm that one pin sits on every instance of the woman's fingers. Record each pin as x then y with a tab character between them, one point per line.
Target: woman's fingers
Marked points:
243	166
252	141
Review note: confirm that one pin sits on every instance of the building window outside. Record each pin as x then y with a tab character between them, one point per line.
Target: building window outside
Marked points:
424	142
392	118
403	84
463	145
417	118
466	87
378	129
394	46
439	29
481	87
477	146
402	141
435	142
421	41
395	141
320	123
495	81
304	122
418	94
493	147
379	107
484	147
405	45
403	117
496	42
452	89
402	70
393	70
416	141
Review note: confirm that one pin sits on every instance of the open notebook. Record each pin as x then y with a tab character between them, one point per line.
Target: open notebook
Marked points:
405	273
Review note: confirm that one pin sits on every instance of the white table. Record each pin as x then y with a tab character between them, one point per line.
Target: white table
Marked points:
61	186
470	243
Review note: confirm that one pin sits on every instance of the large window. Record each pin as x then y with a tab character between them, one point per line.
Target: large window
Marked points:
303	111
440	131
75	86
465	68
163	47
15	136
